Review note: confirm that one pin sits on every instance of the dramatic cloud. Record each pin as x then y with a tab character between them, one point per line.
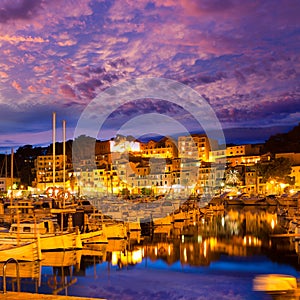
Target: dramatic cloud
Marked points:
242	57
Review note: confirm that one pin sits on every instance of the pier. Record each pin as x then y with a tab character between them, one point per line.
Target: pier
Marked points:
21	296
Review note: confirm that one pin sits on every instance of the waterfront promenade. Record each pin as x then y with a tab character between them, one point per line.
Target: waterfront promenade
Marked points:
22	296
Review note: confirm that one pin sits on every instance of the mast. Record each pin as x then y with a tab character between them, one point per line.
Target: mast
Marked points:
11	175
64	159
54	138
5	165
64	154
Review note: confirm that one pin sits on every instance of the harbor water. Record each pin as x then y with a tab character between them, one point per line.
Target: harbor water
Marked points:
216	257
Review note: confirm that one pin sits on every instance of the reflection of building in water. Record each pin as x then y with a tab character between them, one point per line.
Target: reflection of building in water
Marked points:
127	257
234	232
236	246
260	223
191	253
166	251
195	254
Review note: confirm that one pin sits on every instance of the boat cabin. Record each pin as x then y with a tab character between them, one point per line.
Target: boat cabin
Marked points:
30	229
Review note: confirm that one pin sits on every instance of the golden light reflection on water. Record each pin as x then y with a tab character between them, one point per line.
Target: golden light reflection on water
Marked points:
231	233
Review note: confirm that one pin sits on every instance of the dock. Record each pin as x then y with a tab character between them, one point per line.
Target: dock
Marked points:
34	296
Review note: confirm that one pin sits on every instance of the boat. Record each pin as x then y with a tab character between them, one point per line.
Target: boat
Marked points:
158	221
233	201
133	227
50	237
19	250
179	216
93	237
96	250
115	230
112	229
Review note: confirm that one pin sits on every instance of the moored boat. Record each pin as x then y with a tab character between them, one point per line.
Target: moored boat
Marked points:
20	251
50	238
93	237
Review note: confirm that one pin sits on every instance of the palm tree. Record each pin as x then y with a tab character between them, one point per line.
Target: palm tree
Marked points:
232	177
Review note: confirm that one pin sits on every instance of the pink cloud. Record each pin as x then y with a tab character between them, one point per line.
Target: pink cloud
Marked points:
17	86
32	89
3	75
18	39
47	91
67	91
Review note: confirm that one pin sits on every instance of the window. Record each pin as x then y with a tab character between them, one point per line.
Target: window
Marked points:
26	229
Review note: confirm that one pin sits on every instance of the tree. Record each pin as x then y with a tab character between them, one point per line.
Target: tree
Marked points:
278	169
232	177
24	161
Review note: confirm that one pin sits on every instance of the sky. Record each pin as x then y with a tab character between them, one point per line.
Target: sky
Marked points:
242	57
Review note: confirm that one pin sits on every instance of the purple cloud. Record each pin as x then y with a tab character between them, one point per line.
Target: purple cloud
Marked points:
242	57
23	9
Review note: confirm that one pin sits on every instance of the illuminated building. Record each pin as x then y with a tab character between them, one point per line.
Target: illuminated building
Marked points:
295	173
195	146
6	183
243	154
44	171
165	148
217	156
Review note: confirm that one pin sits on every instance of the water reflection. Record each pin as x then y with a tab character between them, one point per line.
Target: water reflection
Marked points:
233	238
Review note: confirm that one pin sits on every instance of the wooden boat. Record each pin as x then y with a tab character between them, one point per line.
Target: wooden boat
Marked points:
94	237
20	251
115	230
50	238
111	229
158	221
180	216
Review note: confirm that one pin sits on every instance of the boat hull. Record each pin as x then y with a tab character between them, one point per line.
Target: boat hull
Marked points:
93	237
61	242
26	251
